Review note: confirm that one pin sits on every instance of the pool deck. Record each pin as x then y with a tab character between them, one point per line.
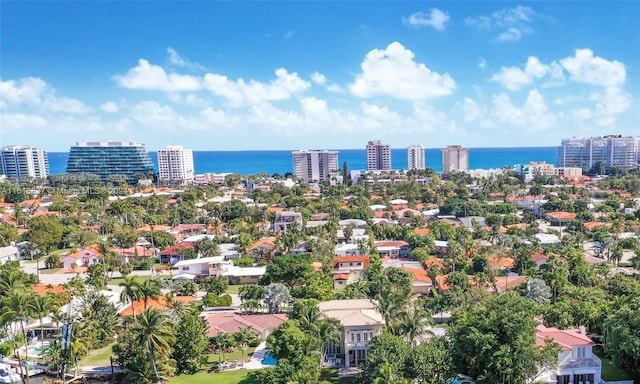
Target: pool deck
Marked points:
256	358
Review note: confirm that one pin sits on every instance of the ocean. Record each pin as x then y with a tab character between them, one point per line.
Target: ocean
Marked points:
250	162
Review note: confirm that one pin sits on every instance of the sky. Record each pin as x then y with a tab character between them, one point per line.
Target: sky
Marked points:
264	75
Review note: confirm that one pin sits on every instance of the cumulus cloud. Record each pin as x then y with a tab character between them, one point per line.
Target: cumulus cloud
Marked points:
177	60
240	93
512	23
472	110
586	68
35	93
435	18
514	78
153	77
320	79
533	115
482	63
109	107
393	72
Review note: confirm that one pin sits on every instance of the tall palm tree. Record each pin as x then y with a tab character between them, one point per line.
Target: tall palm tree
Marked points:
415	325
154	331
149	289
15	308
131	291
40	306
329	331
243	337
207	248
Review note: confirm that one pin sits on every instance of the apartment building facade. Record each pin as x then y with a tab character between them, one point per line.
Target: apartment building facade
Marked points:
611	151
106	158
378	156
23	162
415	157
175	164
455	158
315	166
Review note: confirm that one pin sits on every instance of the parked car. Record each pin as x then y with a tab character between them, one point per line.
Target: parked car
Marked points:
462	379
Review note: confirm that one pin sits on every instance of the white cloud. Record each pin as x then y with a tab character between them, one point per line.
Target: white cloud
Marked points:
513	22
611	101
594	70
534	115
472	111
240	93
482	63
318	78
393	72
177	60
153	77
109	107
32	92
434	18
514	78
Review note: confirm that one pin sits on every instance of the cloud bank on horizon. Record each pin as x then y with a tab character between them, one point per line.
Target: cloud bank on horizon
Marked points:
433	76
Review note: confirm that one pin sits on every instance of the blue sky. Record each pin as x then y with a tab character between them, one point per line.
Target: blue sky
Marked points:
289	75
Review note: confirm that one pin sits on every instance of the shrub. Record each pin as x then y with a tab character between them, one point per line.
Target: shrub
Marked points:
212	300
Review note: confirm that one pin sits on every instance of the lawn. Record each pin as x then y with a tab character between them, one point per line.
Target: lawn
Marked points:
233	288
612	373
98	357
138	279
249	377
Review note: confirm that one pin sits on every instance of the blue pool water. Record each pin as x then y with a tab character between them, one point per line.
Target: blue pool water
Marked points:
269	360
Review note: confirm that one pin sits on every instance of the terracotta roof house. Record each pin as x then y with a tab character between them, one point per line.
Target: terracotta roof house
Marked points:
576	361
82	258
262	324
43	289
176	252
590	225
560	218
162	303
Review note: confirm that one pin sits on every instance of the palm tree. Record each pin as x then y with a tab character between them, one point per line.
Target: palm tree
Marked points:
131	291
207	248
41	306
154	332
15	308
415	325
329	331
243	337
149	289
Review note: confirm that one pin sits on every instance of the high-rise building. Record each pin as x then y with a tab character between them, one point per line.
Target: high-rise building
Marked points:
314	166
22	161
610	151
455	159
378	156
415	157
175	164
110	158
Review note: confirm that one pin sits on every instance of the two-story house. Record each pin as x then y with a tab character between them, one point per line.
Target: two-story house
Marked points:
286	220
204	266
577	364
347	269
361	322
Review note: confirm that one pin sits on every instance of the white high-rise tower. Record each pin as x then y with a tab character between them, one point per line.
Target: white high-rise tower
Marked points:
415	157
175	164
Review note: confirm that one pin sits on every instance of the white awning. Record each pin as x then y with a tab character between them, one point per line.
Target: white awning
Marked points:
184	276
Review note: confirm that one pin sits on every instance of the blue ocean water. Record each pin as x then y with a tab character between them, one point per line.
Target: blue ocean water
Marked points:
249	162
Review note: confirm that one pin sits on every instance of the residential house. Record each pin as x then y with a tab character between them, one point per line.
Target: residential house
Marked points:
204	266
286	220
422	284
577	364
361	322
348	269
9	254
243	275
394	249
176	252
560	218
82	258
263	248
161	303
262	324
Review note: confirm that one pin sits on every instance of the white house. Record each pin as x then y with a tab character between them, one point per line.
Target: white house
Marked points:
361	322
204	266
9	254
577	364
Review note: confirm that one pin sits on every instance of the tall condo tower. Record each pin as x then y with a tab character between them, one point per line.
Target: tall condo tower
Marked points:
415	157
611	151
109	158
175	164
314	166
23	161
455	159
378	156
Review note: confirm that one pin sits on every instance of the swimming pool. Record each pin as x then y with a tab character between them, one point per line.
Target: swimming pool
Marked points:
268	359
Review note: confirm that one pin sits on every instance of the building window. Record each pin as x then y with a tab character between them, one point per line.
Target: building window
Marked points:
358	337
353	337
366	336
581	352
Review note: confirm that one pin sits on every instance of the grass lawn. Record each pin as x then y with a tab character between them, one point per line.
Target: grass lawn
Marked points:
138	279
228	377
49	271
233	288
98	357
612	373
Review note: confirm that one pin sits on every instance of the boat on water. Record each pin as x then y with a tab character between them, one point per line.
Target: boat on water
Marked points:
8	375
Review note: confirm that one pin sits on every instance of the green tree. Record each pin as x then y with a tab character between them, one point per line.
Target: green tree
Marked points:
431	362
622	330
45	232
156	336
191	341
387	349
216	284
498	346
130	292
276	296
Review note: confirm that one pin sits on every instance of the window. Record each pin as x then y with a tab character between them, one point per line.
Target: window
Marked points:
185	268
358	337
366	336
581	352
353	337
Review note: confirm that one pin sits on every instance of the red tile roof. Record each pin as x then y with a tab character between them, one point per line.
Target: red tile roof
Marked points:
234	322
161	303
566	338
352	259
560	215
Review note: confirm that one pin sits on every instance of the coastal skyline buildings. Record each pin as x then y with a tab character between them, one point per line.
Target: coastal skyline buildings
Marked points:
378	156
517	76
175	164
128	159
455	158
415	157
314	166
23	161
611	151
